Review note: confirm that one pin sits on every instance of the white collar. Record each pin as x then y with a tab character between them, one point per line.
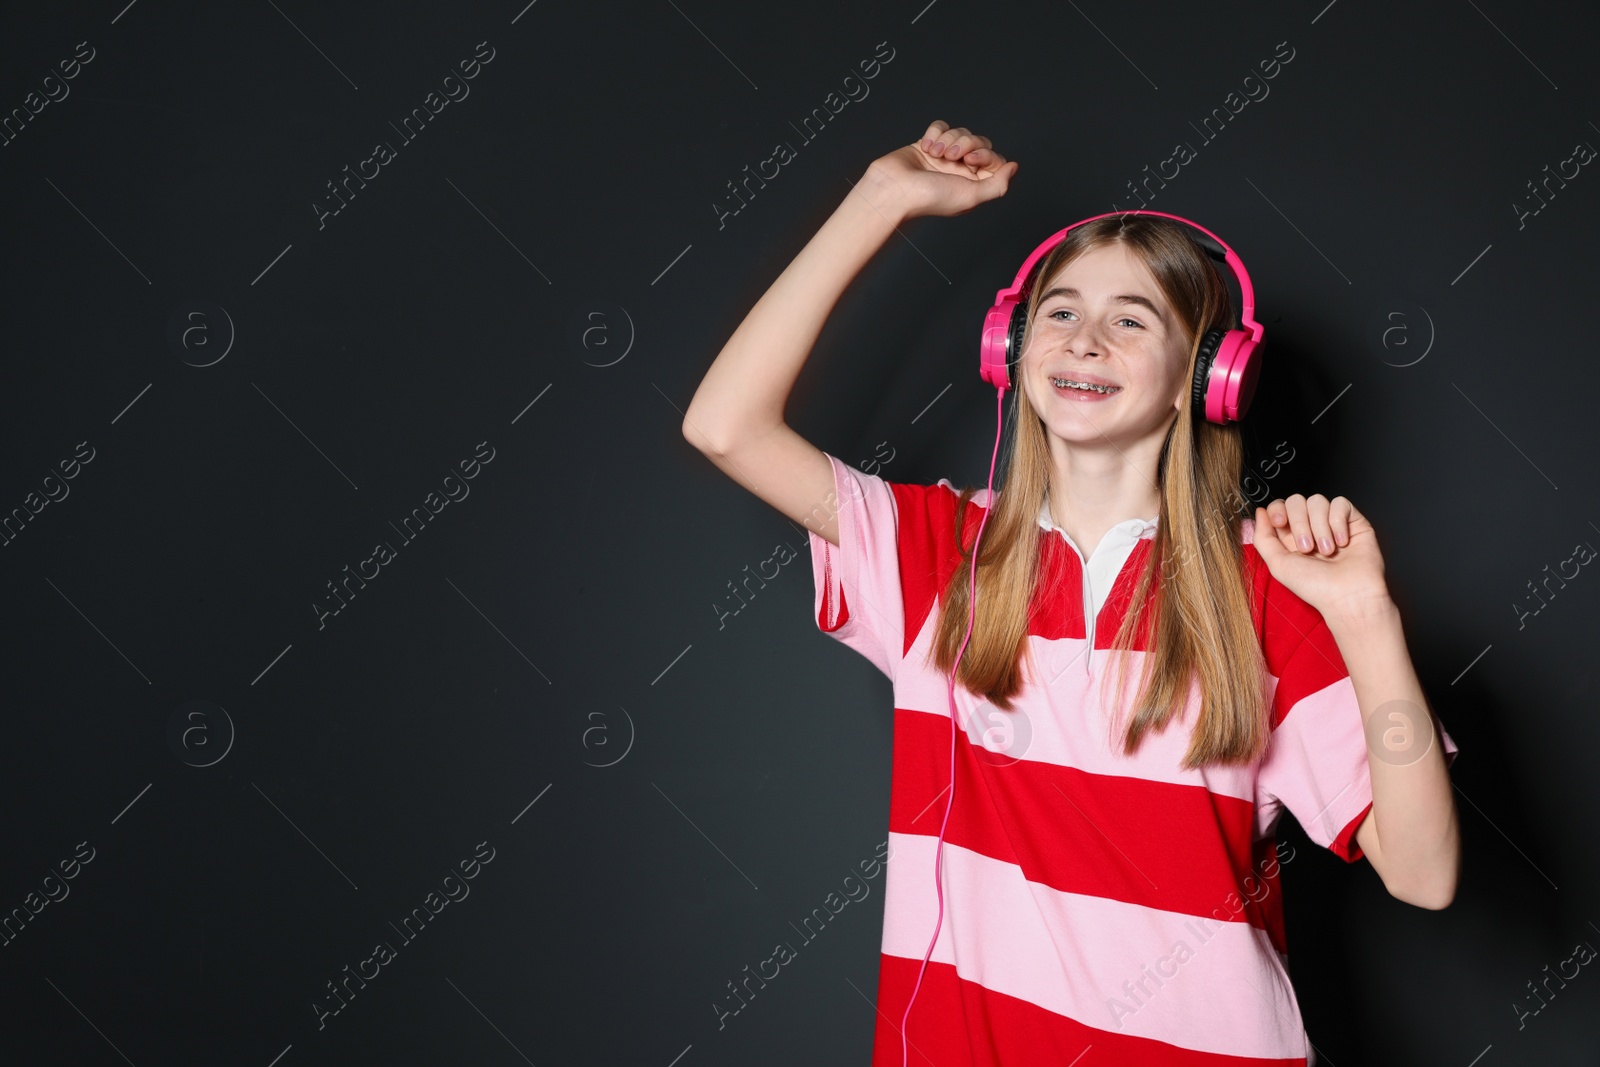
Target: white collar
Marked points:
1100	570
1129	529
1126	532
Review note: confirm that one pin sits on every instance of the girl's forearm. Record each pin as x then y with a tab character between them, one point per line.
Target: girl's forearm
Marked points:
747	386
1413	809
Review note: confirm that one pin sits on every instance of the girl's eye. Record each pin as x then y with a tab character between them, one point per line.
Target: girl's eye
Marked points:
1065	311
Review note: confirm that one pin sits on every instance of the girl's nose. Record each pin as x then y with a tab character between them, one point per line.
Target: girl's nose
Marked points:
1088	340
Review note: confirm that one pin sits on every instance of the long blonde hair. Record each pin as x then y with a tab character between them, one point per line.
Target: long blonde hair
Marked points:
1192	582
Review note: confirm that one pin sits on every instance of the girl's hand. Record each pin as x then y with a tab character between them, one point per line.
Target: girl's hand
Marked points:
948	172
1325	552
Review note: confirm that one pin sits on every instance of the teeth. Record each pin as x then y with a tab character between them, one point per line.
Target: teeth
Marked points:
1067	383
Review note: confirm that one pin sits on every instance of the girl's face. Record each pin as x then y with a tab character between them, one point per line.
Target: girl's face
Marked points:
1103	319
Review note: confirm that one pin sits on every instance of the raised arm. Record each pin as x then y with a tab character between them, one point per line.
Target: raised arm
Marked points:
737	415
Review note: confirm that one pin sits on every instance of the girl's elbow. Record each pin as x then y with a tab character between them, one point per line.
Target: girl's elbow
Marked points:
1436	894
1437	900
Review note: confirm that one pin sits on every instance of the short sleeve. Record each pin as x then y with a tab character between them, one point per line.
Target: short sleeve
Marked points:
1316	763
857	585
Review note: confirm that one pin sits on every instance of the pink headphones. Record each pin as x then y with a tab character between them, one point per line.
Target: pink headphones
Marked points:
1225	372
1229	361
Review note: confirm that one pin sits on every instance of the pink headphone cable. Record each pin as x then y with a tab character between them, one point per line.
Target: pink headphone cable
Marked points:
972	615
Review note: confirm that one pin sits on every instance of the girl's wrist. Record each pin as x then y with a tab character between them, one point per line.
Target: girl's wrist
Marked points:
1361	612
885	194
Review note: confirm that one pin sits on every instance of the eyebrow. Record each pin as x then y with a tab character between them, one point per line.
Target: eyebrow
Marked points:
1123	298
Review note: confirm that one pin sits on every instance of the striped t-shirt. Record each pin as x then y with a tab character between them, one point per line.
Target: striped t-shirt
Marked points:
1093	900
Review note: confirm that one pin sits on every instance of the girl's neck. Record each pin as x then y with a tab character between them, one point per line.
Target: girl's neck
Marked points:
1088	495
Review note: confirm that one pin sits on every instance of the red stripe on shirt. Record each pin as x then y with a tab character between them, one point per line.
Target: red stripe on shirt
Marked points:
1179	848
1016	1033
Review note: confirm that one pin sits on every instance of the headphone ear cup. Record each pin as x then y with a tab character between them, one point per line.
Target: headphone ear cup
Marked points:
1019	326
1203	361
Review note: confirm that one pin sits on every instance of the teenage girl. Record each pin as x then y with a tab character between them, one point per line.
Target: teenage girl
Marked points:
1104	872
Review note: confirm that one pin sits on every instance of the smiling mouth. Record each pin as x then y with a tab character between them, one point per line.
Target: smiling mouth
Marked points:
1085	387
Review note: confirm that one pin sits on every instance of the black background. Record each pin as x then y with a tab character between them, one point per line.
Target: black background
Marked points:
541	671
